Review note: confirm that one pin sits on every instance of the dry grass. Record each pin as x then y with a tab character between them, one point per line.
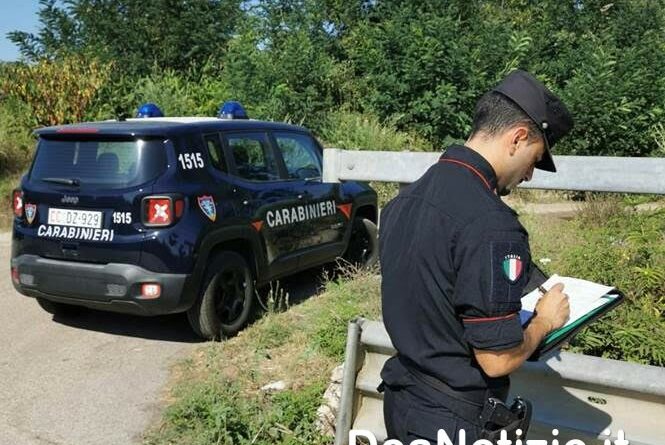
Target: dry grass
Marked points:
523	196
548	238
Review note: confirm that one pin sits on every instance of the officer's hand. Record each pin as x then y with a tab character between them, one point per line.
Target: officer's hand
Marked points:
553	307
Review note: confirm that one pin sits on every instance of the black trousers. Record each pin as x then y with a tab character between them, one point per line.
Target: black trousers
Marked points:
419	412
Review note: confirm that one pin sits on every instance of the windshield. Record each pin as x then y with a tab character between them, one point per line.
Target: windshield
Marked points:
98	164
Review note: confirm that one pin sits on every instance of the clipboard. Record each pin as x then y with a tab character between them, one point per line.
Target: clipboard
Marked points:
555	339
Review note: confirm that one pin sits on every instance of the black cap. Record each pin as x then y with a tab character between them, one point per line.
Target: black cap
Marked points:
542	106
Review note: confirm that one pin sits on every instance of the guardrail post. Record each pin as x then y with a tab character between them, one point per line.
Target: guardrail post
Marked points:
331	161
345	413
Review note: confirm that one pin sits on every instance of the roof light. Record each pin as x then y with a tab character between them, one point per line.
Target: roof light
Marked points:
232	110
149	110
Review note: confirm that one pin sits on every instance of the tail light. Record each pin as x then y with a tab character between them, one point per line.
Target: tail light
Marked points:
161	211
17	203
16	278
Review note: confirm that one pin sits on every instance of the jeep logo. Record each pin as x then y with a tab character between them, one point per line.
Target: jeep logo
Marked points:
70	200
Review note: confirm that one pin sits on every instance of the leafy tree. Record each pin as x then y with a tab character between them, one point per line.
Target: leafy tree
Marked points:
423	65
279	65
136	34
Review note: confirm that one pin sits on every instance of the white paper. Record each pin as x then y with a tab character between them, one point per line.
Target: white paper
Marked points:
584	296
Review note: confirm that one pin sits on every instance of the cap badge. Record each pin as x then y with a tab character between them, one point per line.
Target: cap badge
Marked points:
207	205
512	267
545	125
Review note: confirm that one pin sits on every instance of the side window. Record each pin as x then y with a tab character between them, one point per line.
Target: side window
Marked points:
253	158
215	152
299	153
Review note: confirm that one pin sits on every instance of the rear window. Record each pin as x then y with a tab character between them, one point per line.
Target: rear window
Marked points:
99	164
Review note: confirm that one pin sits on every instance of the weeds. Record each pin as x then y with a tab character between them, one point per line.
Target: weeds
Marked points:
277	299
596	210
612	245
219	400
355	131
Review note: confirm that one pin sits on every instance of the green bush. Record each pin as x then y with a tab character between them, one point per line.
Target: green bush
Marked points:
16	142
349	130
220	412
625	249
425	64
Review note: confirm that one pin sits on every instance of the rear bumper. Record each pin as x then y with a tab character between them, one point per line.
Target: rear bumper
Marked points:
111	287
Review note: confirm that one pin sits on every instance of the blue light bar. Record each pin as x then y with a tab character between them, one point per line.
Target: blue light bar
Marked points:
232	110
149	110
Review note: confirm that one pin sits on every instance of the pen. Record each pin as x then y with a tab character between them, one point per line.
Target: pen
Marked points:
542	290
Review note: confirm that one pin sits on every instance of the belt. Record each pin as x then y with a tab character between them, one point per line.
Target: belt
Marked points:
465	405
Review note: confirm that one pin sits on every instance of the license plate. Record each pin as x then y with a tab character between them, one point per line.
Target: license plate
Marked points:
75	218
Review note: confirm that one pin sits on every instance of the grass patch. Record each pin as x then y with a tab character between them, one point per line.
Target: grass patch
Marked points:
527	196
354	131
612	244
218	398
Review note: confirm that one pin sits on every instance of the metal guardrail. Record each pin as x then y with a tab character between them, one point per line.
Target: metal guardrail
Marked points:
581	396
584	173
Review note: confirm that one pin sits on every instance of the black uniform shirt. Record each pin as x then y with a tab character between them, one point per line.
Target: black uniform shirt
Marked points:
453	260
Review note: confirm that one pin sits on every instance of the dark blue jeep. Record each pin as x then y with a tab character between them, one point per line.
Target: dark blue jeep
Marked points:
164	215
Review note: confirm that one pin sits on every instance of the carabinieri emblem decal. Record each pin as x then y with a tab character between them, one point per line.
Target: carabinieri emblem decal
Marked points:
512	267
208	208
30	212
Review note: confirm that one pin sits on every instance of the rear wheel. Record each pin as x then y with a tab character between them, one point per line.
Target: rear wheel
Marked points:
363	248
55	308
225	304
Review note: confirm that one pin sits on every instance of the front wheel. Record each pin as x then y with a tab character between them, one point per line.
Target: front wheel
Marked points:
225	303
363	248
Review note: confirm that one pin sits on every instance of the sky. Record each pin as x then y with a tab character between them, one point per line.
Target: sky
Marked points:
15	15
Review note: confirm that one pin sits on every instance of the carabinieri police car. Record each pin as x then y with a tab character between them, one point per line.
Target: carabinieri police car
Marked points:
158	215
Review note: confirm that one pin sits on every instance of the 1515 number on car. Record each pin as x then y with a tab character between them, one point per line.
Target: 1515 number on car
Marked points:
190	161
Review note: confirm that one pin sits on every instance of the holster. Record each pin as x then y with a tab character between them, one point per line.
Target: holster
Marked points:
496	416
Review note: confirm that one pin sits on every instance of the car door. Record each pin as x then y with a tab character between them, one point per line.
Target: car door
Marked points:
260	192
320	216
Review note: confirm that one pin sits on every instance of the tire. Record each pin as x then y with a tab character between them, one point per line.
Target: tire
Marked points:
363	248
55	308
214	316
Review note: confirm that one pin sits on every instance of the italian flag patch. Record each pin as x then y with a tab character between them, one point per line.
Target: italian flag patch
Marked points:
512	267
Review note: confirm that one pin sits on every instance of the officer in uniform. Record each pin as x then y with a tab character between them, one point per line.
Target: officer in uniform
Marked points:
455	260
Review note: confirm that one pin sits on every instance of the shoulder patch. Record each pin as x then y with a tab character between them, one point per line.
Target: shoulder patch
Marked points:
512	267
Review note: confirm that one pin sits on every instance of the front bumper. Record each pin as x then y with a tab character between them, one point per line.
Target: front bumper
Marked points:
111	287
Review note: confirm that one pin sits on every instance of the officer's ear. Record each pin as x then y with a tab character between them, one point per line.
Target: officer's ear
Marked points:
518	135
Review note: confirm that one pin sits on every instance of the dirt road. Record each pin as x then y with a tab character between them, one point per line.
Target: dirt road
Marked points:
94	378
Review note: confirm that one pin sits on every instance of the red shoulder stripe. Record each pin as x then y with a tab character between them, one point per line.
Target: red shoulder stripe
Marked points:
485	319
474	170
